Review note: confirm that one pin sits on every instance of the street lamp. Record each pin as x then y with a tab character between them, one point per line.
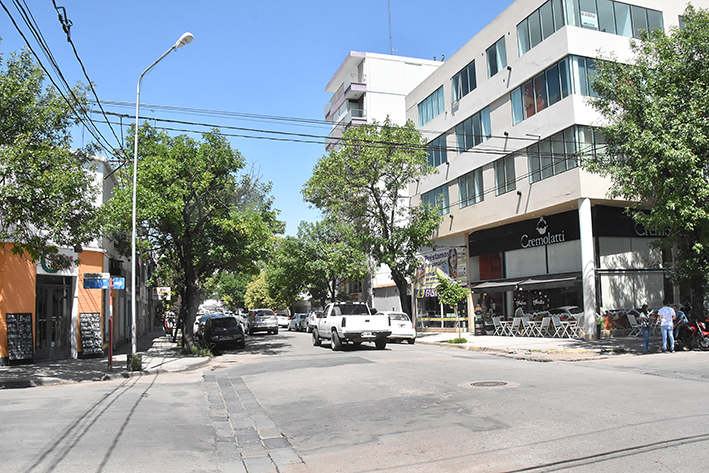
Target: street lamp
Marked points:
184	39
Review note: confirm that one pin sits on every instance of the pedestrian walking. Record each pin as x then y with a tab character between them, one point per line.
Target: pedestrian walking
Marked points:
667	316
645	327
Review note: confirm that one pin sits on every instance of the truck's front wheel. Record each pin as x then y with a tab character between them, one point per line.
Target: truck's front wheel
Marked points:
335	342
380	343
316	338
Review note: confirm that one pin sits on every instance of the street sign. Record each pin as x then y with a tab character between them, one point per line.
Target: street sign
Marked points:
97	275
119	283
96	283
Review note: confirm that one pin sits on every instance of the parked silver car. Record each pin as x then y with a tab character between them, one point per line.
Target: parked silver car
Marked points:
261	320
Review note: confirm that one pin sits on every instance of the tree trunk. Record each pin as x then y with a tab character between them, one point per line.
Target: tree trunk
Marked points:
402	285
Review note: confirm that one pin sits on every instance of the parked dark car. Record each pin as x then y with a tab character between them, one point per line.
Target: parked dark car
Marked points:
223	330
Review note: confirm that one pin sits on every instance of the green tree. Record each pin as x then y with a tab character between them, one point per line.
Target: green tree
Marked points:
365	182
198	211
318	260
450	293
47	194
229	287
258	295
657	141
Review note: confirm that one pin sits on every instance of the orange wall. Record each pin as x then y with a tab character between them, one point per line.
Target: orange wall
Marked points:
90	300
18	288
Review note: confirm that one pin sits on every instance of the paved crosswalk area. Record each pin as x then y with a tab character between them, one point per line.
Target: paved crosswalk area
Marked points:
247	440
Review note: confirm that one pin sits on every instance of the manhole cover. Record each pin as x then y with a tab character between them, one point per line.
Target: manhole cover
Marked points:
488	384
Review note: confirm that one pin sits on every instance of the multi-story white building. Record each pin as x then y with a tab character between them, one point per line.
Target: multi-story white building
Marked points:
507	117
365	88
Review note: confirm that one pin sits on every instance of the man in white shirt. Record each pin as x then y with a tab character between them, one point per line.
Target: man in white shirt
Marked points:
667	315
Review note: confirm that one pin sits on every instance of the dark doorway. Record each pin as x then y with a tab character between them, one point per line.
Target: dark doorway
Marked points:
55	295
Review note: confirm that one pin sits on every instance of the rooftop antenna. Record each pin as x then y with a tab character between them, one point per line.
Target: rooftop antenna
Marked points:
391	46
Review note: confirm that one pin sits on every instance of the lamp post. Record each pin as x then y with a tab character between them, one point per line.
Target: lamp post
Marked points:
184	39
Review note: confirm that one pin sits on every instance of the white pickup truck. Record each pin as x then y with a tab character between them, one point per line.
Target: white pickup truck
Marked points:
343	322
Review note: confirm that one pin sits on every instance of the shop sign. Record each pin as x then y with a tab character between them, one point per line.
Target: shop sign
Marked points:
45	267
162	293
541	237
451	263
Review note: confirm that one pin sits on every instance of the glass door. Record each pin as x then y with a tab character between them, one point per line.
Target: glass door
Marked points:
53	321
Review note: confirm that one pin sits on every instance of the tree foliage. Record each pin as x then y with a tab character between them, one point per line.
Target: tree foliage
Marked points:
365	183
317	261
657	134
258	295
198	211
47	194
229	287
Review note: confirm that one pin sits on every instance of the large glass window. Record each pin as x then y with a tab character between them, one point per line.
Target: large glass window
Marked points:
464	82
438	196
561	151
612	17
473	131
470	187
505	175
545	90
541	24
431	107
437	152
606	17
496	57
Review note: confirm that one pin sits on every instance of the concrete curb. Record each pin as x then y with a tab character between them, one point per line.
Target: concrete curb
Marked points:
514	351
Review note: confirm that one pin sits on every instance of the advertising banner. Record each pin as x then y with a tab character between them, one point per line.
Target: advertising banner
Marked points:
451	263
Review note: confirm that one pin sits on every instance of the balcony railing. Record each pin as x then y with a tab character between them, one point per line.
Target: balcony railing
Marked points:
351	79
354	115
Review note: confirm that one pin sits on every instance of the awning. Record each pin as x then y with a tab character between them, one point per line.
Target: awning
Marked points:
502	285
545	281
549	281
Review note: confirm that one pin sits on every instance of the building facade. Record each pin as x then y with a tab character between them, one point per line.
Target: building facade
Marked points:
365	88
507	119
46	313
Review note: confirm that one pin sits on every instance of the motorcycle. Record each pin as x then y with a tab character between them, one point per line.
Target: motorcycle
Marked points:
693	335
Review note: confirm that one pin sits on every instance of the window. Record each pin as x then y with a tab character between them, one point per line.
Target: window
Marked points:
568	76
545	90
437	152
606	18
560	152
431	107
541	24
473	131
612	17
505	175
470	188
496	57
438	196
464	82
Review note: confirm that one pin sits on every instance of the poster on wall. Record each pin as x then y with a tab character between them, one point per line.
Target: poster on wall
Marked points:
91	338
19	337
451	263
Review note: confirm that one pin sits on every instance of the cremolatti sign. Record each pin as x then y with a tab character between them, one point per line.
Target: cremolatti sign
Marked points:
542	237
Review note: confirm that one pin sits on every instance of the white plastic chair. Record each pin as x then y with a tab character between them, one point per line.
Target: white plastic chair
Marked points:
500	328
528	328
516	326
543	330
634	326
559	329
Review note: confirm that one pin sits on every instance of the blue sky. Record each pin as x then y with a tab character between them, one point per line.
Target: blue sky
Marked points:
266	57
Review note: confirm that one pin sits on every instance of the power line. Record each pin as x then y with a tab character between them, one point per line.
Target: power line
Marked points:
64	90
66	25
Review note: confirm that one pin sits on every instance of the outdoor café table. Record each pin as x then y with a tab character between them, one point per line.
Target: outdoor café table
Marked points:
536	327
570	328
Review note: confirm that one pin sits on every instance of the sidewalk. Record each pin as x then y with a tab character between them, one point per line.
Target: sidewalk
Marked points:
544	349
159	354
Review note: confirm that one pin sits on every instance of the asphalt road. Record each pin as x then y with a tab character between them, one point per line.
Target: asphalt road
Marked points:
284	405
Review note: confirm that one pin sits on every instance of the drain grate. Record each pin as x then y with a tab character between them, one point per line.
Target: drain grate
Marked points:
488	384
